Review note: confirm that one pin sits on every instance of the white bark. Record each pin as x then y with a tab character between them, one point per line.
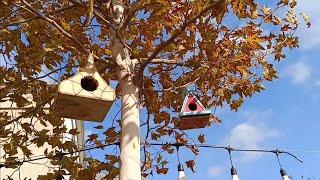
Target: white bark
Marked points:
130	133
130	121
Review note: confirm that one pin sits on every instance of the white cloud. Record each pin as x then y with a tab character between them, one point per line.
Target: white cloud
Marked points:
247	135
252	133
299	72
216	171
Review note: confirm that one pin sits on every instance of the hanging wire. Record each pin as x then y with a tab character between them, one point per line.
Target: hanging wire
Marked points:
178	157
178	145
2	164
229	149
277	153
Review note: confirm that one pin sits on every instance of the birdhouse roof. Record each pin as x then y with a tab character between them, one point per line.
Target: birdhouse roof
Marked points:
191	98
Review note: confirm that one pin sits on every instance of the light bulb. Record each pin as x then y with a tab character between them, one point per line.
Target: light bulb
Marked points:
284	174
181	175
234	175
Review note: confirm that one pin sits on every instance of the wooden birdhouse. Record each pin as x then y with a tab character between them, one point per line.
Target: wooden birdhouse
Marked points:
193	115
84	96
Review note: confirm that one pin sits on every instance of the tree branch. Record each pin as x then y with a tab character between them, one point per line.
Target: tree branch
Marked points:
106	21
178	33
95	12
181	86
132	11
51	21
37	17
90	13
165	61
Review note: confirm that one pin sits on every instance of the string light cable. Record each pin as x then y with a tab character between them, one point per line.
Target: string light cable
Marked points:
57	155
175	144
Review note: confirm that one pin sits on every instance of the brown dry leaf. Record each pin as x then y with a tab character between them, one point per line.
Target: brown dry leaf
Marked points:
201	138
220	61
73	131
191	164
162	170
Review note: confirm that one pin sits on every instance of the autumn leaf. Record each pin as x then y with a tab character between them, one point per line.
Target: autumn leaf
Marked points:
306	19
201	138
92	137
285	2
162	170
26	151
161	46
266	11
98	127
293	3
73	131
191	164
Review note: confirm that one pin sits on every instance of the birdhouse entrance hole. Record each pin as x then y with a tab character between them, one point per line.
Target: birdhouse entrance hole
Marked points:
88	83
192	106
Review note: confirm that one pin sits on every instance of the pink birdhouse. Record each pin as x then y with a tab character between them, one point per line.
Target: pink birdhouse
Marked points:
193	115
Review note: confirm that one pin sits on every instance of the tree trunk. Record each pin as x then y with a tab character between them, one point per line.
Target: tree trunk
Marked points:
130	133
130	104
130	121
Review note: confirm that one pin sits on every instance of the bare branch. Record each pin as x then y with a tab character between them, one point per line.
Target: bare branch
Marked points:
165	61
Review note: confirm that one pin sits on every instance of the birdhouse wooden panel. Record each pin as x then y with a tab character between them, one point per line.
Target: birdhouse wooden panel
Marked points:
85	96
193	115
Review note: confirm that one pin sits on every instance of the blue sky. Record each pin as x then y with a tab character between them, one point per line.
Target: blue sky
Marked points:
284	116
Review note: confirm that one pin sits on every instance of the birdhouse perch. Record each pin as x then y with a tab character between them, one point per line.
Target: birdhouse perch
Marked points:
84	96
193	115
